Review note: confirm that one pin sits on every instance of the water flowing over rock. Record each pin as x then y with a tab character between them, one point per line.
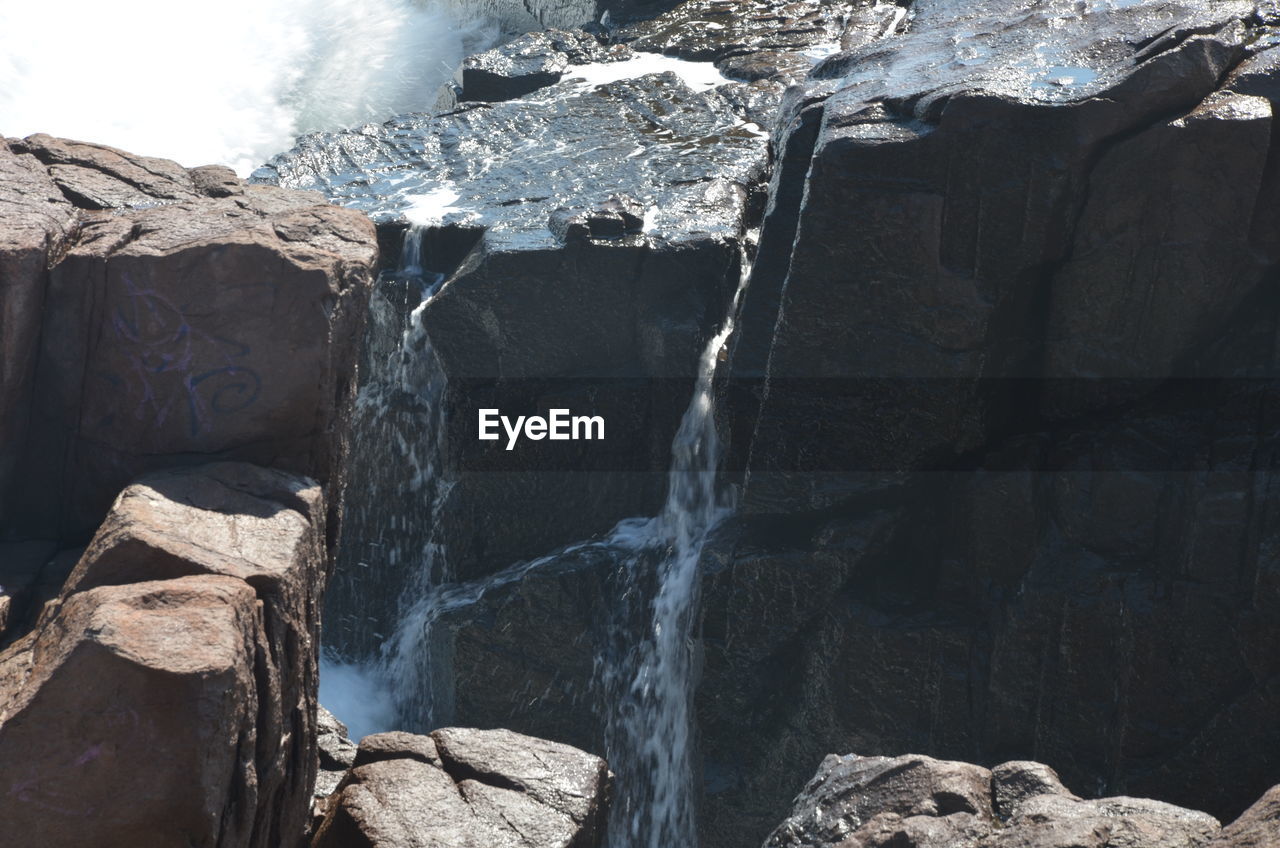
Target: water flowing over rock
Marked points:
167	697
524	307
467	788
996	404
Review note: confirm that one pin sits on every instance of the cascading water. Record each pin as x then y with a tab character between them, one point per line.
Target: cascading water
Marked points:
650	690
154	77
646	672
397	486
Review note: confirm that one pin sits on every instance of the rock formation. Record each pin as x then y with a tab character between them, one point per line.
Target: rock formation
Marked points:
998	401
167	696
160	687
920	802
467	788
155	316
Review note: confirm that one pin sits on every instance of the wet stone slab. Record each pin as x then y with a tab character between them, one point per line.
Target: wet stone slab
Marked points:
506	167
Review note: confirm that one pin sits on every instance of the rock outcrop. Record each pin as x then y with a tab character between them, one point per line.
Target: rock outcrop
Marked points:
167	696
998	400
546	294
920	802
154	316
1258	827
467	787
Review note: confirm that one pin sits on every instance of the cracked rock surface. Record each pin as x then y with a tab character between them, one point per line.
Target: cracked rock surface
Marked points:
919	802
465	788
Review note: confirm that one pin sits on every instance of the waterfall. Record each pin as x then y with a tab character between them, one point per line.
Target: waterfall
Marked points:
232	84
397	487
646	673
650	726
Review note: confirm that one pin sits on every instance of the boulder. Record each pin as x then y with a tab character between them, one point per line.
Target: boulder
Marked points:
920	802
335	753
486	787
169	692
1257	827
849	792
97	729
183	316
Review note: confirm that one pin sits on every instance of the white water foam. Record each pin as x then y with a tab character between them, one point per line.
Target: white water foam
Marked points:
357	695
228	84
699	76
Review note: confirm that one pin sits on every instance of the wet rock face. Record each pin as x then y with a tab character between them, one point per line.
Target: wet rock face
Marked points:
467	787
758	39
920	802
532	61
608	221
169	692
1002	192
970	261
977	158
192	315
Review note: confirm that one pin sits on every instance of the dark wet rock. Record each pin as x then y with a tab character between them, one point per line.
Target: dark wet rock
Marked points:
714	30
1257	827
490	787
520	305
615	218
934	557
766	65
920	802
1032	129
532	61
169	692
192	318
1022	180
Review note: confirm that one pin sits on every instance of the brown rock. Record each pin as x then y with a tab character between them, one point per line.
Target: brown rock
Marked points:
919	802
96	728
488	788
182	654
94	176
851	792
1258	827
34	220
396	745
199	316
1014	783
1057	821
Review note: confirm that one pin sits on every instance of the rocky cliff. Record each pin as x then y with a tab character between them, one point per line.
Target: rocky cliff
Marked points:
156	315
160	684
999	401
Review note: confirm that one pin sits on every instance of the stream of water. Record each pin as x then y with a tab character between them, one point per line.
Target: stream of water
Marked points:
645	676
